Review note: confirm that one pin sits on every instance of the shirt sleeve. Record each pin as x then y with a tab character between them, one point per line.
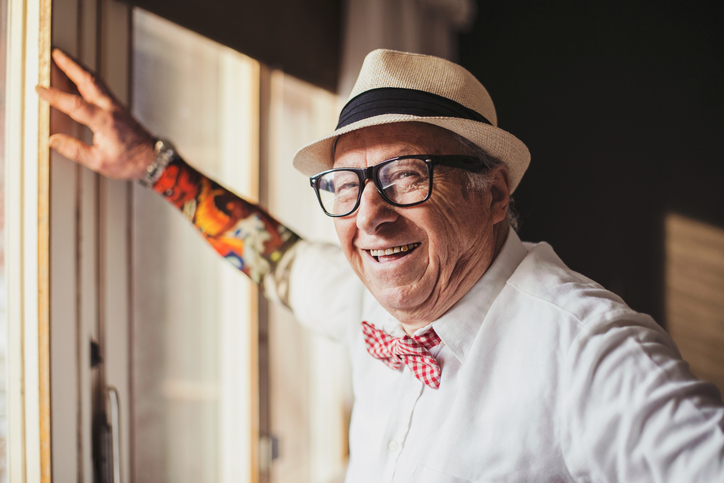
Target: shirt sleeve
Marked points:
633	411
323	291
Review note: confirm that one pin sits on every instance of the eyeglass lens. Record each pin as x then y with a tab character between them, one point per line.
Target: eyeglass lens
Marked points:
403	182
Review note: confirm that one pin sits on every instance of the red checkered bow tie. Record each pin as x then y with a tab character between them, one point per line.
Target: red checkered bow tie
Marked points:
413	351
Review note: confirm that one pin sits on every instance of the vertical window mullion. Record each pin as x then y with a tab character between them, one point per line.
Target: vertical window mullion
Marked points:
27	204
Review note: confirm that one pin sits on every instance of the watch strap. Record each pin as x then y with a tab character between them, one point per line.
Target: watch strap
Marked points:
164	153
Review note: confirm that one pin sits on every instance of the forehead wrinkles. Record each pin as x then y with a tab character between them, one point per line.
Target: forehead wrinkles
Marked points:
373	145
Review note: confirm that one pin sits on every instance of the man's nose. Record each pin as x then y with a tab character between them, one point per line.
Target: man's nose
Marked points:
373	211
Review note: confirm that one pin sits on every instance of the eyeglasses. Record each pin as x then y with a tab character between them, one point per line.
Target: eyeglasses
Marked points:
401	181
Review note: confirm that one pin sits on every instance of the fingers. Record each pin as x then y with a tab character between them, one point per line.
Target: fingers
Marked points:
60	80
88	85
121	146
73	149
75	106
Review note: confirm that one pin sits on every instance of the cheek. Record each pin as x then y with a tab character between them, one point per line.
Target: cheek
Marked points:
459	224
345	229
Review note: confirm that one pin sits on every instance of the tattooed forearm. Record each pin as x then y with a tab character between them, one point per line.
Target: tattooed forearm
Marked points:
239	231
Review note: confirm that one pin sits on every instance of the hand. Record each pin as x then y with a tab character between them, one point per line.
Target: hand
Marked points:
122	148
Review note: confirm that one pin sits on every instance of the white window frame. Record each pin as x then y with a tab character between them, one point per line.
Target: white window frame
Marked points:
27	193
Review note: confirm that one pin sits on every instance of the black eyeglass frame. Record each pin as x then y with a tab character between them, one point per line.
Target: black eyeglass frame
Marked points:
459	161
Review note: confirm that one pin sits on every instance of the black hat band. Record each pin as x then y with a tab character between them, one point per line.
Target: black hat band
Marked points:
395	100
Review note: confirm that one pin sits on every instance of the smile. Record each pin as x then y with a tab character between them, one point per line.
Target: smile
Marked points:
394	250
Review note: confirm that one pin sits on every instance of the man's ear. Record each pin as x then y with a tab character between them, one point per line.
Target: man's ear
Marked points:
500	194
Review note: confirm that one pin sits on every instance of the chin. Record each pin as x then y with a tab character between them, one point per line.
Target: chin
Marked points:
399	300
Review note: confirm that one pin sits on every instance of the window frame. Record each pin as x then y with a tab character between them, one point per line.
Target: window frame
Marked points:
27	196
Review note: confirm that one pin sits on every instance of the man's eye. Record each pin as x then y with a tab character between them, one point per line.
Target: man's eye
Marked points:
404	177
404	174
346	187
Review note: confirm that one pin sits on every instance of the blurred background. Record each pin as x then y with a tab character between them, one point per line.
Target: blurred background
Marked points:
621	106
620	103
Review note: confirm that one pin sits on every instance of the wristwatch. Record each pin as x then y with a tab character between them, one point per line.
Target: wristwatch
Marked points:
164	153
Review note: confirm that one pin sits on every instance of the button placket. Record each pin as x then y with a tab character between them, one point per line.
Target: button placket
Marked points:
413	389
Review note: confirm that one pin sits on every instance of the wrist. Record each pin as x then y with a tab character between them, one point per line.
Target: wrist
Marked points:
163	154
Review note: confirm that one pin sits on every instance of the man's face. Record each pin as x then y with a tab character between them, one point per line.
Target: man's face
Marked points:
450	238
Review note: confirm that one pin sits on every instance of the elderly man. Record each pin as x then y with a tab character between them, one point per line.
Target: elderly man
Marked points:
475	357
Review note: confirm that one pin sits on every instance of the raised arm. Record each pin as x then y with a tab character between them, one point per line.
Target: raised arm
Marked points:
238	230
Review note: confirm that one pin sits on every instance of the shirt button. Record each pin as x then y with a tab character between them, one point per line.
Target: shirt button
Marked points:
393	446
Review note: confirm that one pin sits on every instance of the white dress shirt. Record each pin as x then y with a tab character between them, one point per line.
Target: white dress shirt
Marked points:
546	376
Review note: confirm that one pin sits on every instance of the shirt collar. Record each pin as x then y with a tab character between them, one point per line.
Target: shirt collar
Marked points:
458	327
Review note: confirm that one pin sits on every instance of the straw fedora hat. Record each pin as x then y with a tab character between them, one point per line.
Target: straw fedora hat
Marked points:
402	87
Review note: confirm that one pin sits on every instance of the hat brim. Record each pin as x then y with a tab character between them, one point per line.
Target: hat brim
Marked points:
318	156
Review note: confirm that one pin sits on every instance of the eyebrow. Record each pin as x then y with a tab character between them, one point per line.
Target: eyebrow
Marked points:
403	151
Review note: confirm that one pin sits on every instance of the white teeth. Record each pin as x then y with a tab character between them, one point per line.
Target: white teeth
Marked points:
390	251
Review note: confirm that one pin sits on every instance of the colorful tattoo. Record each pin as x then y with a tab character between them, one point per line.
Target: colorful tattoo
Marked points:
239	231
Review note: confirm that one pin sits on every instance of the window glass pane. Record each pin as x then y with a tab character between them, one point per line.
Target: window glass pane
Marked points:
309	382
3	291
192	310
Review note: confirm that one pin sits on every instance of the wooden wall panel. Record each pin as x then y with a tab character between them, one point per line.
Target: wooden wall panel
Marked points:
695	294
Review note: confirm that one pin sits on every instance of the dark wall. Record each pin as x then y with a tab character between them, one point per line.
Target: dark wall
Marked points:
302	37
622	106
